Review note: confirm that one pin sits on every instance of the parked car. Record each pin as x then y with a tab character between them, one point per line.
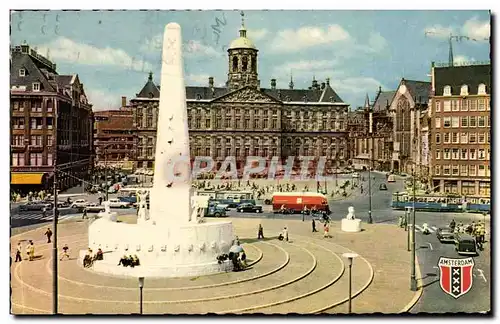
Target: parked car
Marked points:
116	203
130	199
35	205
94	208
215	211
61	203
355	175
465	244
382	187
249	208
79	203
445	234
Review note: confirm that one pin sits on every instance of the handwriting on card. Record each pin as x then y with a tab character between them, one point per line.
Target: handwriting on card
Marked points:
215	28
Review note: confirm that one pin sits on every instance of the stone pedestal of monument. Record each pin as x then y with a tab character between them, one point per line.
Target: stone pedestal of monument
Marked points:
189	250
351	225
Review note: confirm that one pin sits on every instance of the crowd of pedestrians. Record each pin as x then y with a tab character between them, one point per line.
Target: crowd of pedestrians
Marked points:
264	191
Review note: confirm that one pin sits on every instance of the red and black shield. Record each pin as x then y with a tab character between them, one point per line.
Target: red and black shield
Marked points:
456	275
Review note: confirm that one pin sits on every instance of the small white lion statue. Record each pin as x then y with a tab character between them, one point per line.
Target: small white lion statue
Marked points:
350	214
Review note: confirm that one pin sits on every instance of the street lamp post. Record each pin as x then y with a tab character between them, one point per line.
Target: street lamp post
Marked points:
350	256
141	286
413	279
55	258
407	212
105	149
336	170
370	219
55	293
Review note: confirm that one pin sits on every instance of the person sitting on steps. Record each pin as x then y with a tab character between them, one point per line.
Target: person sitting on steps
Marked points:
87	260
99	255
124	261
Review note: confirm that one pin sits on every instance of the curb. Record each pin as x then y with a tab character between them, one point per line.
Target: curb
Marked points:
420	289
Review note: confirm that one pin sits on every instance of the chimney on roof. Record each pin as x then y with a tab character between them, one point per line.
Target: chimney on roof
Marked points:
323	86
124	101
211	82
273	84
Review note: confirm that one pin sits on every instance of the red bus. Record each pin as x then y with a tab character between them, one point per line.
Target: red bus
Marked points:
296	201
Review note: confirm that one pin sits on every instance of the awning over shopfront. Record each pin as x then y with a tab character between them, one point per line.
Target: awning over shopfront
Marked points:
24	178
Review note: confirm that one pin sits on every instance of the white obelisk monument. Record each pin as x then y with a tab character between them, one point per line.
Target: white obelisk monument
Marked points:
172	177
172	242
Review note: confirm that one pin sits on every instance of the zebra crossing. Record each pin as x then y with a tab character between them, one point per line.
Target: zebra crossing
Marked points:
36	215
420	229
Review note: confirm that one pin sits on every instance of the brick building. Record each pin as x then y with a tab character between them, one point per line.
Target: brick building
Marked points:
115	138
243	119
51	120
460	129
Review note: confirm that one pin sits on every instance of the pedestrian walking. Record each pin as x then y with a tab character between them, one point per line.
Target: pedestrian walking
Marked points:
482	233
260	234
31	251
314	225
48	233
326	230
84	215
285	234
65	252
100	200
19	250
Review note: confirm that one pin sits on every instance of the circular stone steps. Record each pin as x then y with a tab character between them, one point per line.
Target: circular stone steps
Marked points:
305	275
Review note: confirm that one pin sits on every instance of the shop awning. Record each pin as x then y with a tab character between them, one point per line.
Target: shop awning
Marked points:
24	178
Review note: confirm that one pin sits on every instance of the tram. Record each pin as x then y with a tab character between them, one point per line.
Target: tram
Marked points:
401	200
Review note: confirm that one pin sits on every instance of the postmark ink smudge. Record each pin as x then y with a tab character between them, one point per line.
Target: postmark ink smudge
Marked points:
215	28
20	21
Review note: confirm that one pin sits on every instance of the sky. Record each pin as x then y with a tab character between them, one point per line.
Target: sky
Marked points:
113	51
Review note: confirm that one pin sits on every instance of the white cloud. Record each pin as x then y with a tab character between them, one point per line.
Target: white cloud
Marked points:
352	88
438	31
65	49
473	28
196	48
477	29
102	100
377	43
197	79
305	65
257	34
290	40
